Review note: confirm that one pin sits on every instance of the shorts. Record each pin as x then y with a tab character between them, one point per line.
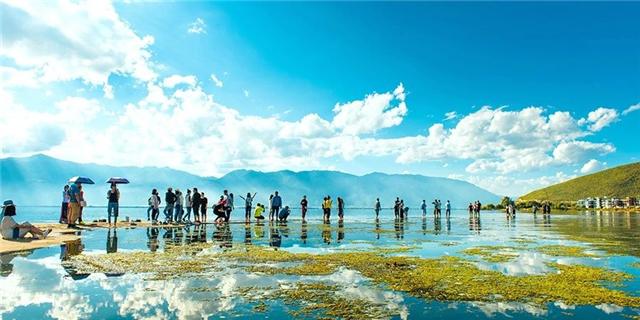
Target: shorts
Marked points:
16	233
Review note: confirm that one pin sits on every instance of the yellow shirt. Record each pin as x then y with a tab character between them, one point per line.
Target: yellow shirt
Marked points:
258	212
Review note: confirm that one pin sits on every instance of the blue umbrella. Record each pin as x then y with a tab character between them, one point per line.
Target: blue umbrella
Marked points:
78	179
117	180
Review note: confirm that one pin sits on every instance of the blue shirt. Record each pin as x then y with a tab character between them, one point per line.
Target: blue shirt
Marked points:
73	191
284	213
276	201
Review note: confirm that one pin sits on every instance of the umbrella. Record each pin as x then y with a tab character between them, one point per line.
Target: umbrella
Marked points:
117	180
78	179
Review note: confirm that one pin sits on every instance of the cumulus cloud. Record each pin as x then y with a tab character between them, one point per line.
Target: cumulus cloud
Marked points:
373	113
600	118
70	40
216	81
632	108
198	26
174	80
592	166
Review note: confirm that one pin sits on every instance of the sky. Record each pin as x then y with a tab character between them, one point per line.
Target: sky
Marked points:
508	96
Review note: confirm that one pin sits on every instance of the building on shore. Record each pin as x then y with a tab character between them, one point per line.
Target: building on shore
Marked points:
608	203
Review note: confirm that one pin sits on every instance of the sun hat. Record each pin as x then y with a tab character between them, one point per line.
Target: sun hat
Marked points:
5	204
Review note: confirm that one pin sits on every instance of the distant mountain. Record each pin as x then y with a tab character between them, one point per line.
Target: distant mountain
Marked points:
38	180
622	181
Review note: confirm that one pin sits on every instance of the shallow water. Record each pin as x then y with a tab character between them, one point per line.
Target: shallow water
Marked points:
35	283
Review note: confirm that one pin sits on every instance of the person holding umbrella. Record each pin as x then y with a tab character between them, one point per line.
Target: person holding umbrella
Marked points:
75	198
113	195
112	206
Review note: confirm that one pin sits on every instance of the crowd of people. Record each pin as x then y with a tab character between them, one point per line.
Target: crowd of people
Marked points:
192	206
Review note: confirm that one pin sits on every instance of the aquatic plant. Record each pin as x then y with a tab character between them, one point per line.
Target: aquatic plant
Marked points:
564	251
494	254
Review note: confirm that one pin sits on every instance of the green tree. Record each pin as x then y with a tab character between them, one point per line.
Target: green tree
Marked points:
505	201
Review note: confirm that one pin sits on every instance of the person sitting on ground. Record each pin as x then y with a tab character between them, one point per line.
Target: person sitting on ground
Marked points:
258	213
11	230
284	214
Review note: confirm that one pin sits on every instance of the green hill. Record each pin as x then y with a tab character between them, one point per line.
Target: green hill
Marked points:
622	181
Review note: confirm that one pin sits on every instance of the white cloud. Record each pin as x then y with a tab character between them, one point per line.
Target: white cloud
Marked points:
600	118
216	81
632	108
450	115
591	166
577	151
510	185
373	113
68	40
174	80
198	26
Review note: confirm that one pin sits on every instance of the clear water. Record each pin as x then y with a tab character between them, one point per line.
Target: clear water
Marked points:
34	284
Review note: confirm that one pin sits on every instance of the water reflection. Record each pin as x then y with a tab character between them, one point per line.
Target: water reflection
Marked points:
340	230
275	240
152	239
112	241
6	265
303	232
326	232
474	223
437	224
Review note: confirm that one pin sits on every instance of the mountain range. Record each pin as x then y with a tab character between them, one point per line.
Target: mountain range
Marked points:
39	180
622	181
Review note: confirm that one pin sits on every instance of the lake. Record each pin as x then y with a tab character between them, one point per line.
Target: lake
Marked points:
465	266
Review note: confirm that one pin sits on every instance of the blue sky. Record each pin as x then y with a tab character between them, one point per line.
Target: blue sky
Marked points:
510	96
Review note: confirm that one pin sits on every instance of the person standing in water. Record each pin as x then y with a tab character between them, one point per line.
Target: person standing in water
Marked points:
248	204
423	207
303	206
276	203
188	204
112	206
195	202
284	214
64	209
448	209
155	205
83	203
377	207
340	209
179	206
203	207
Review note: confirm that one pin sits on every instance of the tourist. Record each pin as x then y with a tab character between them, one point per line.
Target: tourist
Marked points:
203	207
340	208
478	207
377	207
219	210
276	203
155	205
401	209
258	213
83	203
303	206
405	211
270	207
448	209
195	202
188	204
149	209
423	207
64	209
248	204
535	208
396	208
112	206
11	230
179	206
74	205
229	207
170	199
328	205
470	208
284	214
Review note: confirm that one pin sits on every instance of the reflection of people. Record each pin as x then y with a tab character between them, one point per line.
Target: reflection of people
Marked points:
340	230
247	233
326	232
378	229
152	235
303	232
112	241
11	230
6	267
275	240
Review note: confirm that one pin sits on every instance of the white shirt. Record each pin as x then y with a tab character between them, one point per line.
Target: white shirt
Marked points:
7	226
